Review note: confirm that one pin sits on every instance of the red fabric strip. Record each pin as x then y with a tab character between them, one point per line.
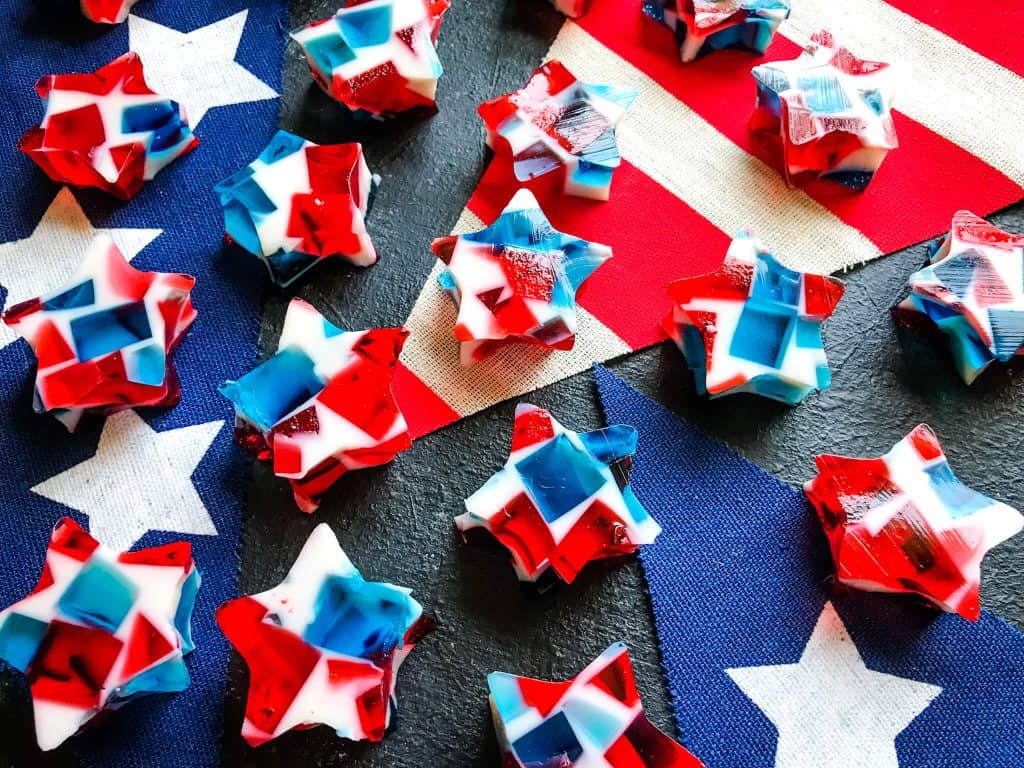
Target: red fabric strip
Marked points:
925	180
993	28
424	411
655	238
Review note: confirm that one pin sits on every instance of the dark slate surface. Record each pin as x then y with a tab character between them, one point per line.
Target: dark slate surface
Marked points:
395	522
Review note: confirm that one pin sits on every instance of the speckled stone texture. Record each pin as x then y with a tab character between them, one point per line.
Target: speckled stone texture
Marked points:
395	522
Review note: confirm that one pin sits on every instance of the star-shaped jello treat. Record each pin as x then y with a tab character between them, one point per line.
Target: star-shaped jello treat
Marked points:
572	8
323	647
703	26
323	404
826	114
753	325
100	629
377	56
562	499
299	203
972	290
516	280
107	129
559	126
594	719
905	523
104	341
107	11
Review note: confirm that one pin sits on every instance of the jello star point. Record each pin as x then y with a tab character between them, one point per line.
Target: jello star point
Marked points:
104	341
594	719
107	129
323	647
322	405
377	56
704	26
106	11
905	523
516	280
972	291
826	113
562	499
100	629
299	203
559	128
753	325
51	253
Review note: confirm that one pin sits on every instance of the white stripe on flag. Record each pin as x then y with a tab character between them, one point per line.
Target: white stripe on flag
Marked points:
467	222
960	94
432	352
688	156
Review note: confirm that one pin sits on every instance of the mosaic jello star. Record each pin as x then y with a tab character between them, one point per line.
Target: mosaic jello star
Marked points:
826	114
595	719
905	523
100	629
753	325
703	26
557	125
301	202
107	129
562	499
323	404
516	281
572	8
107	11
377	56
104	341
972	290
323	647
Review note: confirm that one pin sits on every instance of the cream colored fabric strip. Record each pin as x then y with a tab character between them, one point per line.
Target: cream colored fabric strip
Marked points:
960	94
432	353
684	153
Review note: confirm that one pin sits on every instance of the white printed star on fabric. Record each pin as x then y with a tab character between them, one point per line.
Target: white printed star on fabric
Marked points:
49	256
139	480
197	68
829	708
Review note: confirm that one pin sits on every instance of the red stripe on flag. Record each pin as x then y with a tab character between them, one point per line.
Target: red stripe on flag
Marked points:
917	189
912	197
993	28
424	411
655	238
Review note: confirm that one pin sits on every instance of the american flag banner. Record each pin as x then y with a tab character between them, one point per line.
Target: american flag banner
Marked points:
151	476
769	662
692	176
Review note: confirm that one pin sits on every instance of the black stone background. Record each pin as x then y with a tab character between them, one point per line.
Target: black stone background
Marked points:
395	522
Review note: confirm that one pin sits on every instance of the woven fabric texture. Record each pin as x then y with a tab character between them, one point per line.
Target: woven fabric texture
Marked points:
226	58
755	638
